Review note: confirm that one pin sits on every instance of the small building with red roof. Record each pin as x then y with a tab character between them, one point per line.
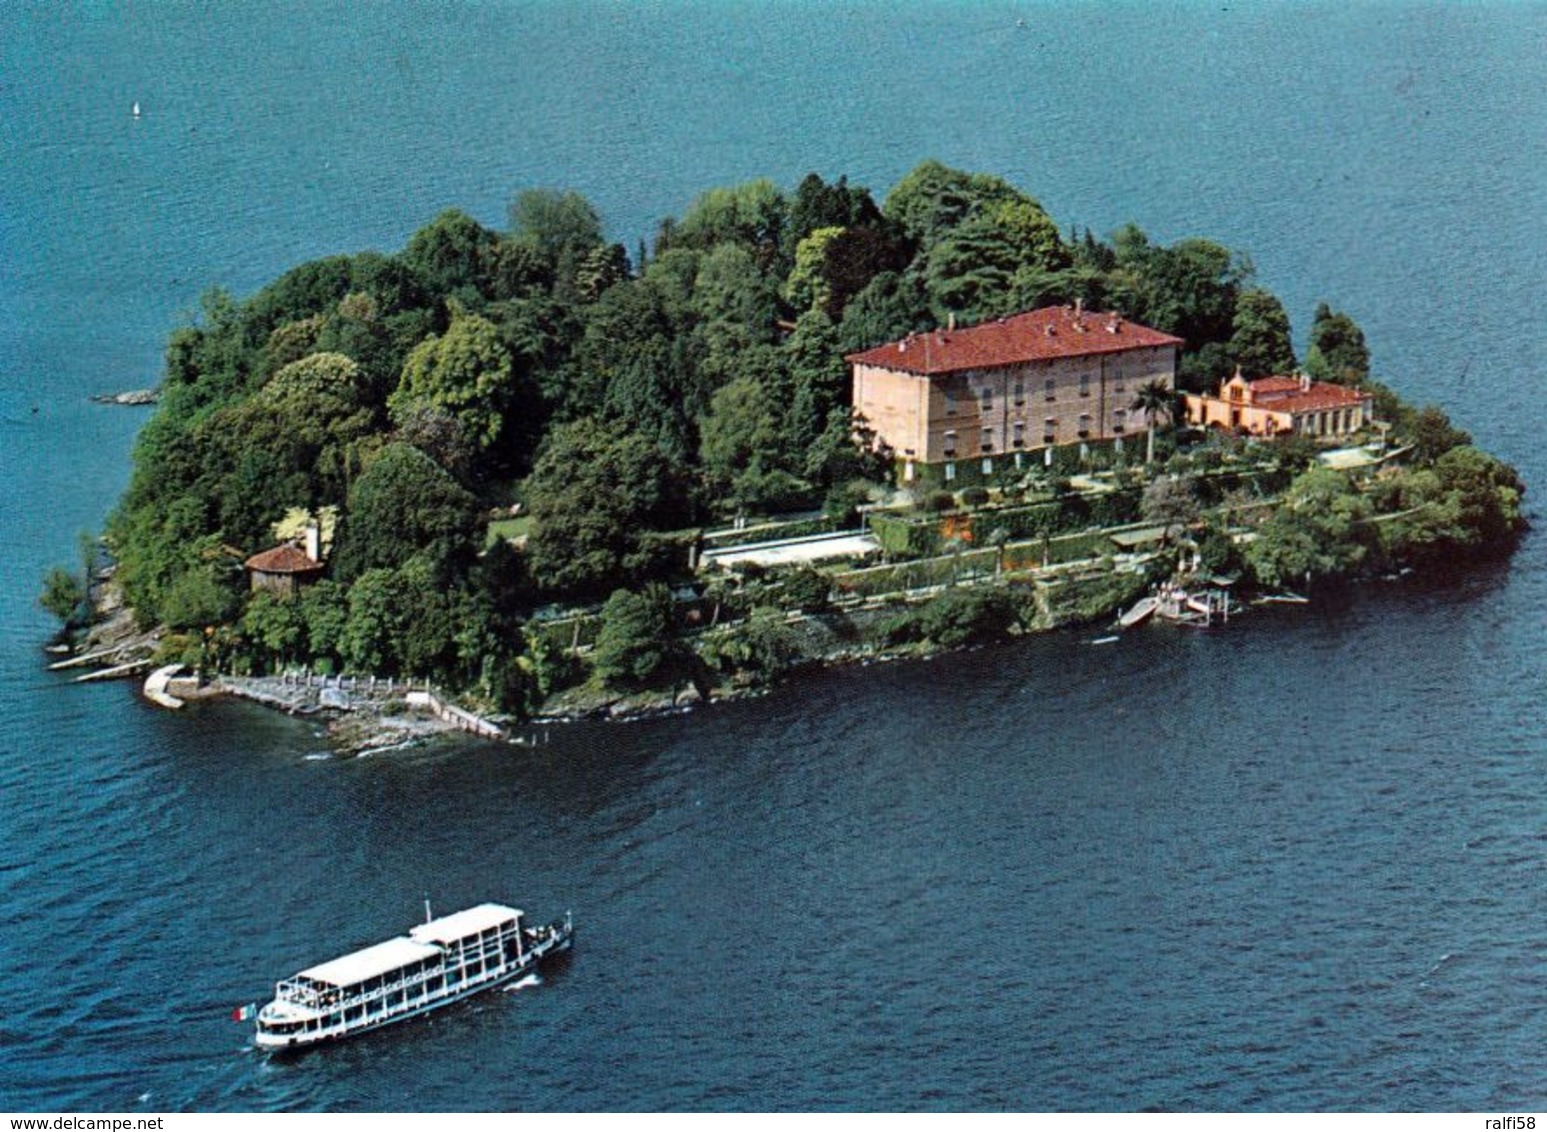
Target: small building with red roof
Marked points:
988	394
1280	406
282	570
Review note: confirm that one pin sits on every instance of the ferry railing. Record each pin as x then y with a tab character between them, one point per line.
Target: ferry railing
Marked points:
316	1000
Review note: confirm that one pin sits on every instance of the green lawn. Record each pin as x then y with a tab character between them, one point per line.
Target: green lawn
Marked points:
507	529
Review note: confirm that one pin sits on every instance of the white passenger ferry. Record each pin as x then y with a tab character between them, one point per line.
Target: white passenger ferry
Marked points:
436	963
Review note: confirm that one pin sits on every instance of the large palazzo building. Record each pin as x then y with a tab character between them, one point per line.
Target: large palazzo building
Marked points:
991	392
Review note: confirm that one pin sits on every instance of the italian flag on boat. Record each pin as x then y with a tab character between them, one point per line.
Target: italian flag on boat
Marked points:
245	1013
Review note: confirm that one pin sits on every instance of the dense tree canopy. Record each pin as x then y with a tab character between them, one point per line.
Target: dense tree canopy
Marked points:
403	506
1322	530
1338	352
468	372
638	642
1260	344
595	495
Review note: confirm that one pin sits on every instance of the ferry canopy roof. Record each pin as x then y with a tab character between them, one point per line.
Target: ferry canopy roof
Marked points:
377	960
459	925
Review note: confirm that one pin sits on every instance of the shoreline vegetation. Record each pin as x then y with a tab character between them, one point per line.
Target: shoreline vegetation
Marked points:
524	467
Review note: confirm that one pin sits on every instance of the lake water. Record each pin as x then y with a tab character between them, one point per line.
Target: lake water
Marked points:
1293	865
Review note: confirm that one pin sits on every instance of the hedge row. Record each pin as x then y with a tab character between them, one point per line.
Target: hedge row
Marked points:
772	531
921	536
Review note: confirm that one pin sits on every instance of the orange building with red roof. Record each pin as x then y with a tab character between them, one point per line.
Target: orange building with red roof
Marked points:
989	393
1278	406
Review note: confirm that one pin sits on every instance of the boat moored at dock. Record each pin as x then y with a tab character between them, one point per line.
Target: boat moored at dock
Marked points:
437	963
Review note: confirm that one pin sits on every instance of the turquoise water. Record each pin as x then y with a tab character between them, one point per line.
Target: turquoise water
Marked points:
1291	866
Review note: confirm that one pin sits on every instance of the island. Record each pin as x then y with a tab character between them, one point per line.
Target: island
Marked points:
525	474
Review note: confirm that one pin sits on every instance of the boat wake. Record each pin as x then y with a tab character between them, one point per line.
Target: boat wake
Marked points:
532	980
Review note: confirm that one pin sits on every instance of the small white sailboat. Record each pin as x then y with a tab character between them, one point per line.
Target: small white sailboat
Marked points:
135	111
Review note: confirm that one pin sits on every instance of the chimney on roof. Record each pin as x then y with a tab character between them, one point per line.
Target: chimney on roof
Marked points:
1050	330
1079	308
950	321
313	542
1305	383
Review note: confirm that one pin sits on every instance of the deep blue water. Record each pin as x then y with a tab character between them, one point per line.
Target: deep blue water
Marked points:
1295	865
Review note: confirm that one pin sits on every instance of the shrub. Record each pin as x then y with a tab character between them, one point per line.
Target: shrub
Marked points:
64	596
967	616
807	589
974	496
940	501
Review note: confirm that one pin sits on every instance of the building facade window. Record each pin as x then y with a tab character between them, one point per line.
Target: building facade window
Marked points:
1019	437
1119	420
1050	389
1084	385
988	440
986	399
1084	425
1020	392
949	441
1049	430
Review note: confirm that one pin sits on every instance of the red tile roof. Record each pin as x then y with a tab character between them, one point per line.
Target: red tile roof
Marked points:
1270	386
284	559
1291	395
1039	335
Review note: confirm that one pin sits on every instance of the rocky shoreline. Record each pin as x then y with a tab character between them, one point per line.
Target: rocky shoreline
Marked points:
365	716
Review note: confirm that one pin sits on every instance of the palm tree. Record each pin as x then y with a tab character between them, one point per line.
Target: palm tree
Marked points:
1155	399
